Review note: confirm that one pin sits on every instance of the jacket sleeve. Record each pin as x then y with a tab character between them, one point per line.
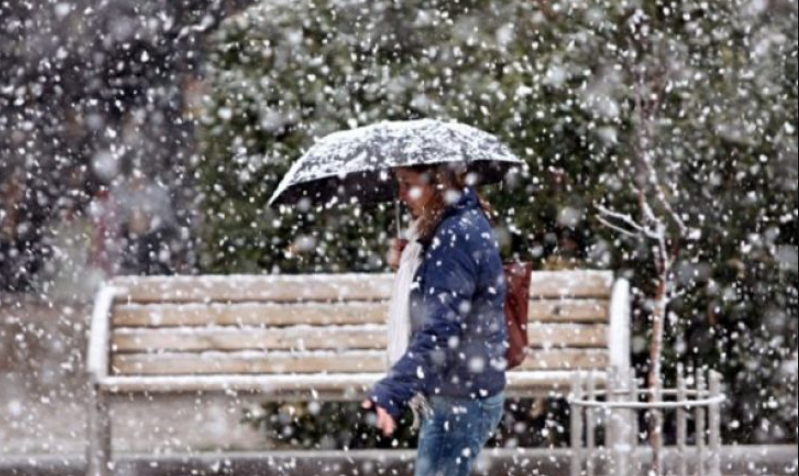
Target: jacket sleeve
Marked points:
449	283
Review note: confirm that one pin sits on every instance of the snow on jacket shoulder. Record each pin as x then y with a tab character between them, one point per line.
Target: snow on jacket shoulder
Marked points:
459	336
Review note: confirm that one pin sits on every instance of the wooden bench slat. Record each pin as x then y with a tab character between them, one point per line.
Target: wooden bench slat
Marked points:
569	310
317	362
238	288
545	335
288	338
576	284
247	363
310	386
249	314
275	315
317	338
339	287
565	359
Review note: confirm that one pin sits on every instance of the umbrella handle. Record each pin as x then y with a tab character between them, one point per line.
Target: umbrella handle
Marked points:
399	216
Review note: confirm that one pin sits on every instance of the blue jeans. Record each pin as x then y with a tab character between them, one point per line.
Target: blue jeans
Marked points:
451	439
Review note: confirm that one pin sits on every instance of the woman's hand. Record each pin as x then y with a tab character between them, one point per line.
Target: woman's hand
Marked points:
384	421
395	252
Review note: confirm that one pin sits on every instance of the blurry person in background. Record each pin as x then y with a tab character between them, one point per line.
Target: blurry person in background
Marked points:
106	241
68	273
147	224
10	196
20	237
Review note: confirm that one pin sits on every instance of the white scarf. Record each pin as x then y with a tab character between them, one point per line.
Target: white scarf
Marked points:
399	312
399	316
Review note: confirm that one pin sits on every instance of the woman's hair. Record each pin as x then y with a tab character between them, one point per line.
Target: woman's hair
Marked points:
444	178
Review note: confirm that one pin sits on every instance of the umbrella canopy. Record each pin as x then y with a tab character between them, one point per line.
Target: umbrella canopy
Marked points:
357	163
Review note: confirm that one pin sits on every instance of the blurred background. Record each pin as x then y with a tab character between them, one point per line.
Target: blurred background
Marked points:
145	137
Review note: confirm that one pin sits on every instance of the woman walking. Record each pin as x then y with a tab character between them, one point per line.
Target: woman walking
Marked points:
448	334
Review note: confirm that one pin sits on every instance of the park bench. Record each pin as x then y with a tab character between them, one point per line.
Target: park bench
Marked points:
315	337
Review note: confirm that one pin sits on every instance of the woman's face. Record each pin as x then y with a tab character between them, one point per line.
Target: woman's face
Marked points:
415	189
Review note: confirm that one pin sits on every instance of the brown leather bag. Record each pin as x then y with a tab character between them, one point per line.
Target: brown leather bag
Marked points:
517	279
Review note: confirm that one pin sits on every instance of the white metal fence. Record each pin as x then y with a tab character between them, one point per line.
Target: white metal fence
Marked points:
693	409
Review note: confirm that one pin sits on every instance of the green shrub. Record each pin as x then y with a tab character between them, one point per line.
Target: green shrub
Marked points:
558	85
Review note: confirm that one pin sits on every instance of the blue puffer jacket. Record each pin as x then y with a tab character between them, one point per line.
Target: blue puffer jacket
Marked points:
459	335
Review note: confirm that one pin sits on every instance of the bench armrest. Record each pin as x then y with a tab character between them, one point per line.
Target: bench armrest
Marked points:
97	355
620	325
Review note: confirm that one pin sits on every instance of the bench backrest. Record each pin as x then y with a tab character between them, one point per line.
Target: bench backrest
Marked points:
212	325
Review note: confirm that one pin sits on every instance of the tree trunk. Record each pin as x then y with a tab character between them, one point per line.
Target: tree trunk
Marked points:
655	376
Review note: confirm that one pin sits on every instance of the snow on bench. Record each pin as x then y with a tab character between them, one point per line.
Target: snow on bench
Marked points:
317	337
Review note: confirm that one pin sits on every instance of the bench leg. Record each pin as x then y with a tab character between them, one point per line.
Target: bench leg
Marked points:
99	451
620	432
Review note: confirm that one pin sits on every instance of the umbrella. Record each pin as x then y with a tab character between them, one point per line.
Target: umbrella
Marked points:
356	164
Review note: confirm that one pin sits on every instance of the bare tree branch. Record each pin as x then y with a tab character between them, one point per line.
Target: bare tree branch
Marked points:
618	229
628	220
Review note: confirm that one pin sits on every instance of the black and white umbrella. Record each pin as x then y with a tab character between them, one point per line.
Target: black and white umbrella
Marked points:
356	164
